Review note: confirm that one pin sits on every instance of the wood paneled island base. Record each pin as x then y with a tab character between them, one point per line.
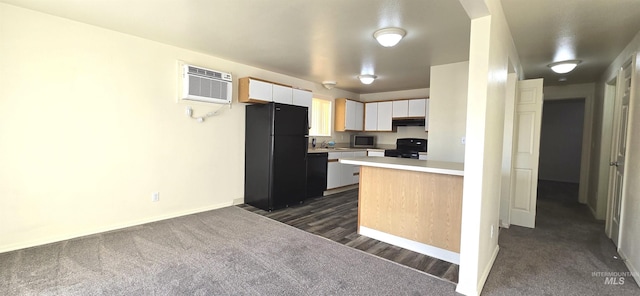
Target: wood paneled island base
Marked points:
420	211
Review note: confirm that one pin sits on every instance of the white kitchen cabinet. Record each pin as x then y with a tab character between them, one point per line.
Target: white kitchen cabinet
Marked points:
255	91
400	108
378	116
371	117
385	112
355	178
348	115
338	174
359	117
375	153
426	118
334	175
417	108
301	97
282	94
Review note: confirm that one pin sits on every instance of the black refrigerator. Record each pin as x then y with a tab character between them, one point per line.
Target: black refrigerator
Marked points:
276	142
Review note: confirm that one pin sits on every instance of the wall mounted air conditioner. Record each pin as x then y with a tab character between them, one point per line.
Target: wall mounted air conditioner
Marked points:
206	85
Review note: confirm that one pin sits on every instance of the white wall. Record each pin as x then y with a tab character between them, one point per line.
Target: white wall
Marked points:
394	95
629	244
507	150
491	50
448	111
90	127
388	139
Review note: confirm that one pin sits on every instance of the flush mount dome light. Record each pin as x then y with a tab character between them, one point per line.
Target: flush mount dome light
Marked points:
329	84
367	78
389	37
564	66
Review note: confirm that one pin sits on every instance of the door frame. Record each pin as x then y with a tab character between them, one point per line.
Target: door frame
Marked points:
611	93
614	149
586	91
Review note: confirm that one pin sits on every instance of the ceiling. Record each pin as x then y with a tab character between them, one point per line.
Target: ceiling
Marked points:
333	39
593	31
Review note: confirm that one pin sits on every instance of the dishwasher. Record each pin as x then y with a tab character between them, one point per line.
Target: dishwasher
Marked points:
316	174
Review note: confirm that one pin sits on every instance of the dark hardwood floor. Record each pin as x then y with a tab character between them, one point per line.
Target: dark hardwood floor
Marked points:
335	217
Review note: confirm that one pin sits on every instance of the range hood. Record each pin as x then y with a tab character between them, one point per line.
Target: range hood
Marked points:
408	122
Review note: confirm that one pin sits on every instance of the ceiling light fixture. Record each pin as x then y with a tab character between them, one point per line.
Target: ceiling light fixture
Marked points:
389	37
367	78
329	84
564	66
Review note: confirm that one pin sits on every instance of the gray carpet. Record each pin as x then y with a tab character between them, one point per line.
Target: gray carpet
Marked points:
560	254
228	251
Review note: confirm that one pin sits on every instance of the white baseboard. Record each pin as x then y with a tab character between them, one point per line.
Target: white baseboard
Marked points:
469	289
631	267
487	269
66	236
421	248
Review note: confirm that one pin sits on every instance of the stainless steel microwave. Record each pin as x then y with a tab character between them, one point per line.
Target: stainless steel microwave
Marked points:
361	141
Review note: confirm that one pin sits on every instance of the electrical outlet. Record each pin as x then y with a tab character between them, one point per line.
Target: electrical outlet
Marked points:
155	196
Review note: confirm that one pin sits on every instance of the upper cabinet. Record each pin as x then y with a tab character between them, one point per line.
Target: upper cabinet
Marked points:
251	90
409	108
303	98
417	108
378	116
426	118
400	108
348	115
282	94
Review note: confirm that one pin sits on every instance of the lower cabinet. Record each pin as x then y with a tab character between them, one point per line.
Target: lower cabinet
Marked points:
376	153
338	174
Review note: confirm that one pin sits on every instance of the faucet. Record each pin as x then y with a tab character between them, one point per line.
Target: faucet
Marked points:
323	144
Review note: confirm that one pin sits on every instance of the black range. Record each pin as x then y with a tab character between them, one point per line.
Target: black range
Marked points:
408	148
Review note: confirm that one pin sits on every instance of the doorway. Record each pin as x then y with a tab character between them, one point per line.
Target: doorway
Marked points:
561	141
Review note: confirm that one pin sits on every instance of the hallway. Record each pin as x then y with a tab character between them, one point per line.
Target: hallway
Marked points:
562	255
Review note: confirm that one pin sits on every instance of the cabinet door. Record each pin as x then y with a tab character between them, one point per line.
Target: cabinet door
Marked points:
426	118
350	114
334	174
359	117
371	117
356	168
400	108
282	94
260	90
375	153
384	116
417	108
303	98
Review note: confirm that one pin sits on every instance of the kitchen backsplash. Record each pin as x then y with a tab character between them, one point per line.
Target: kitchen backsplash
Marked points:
382	138
403	132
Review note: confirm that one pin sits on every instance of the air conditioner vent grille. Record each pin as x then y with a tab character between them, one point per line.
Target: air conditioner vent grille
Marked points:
206	85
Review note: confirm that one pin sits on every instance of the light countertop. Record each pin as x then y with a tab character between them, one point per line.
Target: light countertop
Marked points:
407	164
337	149
348	149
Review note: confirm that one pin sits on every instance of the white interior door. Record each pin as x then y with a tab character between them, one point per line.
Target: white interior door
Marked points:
524	174
619	146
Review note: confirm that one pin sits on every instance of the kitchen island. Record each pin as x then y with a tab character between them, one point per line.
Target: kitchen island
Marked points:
410	203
